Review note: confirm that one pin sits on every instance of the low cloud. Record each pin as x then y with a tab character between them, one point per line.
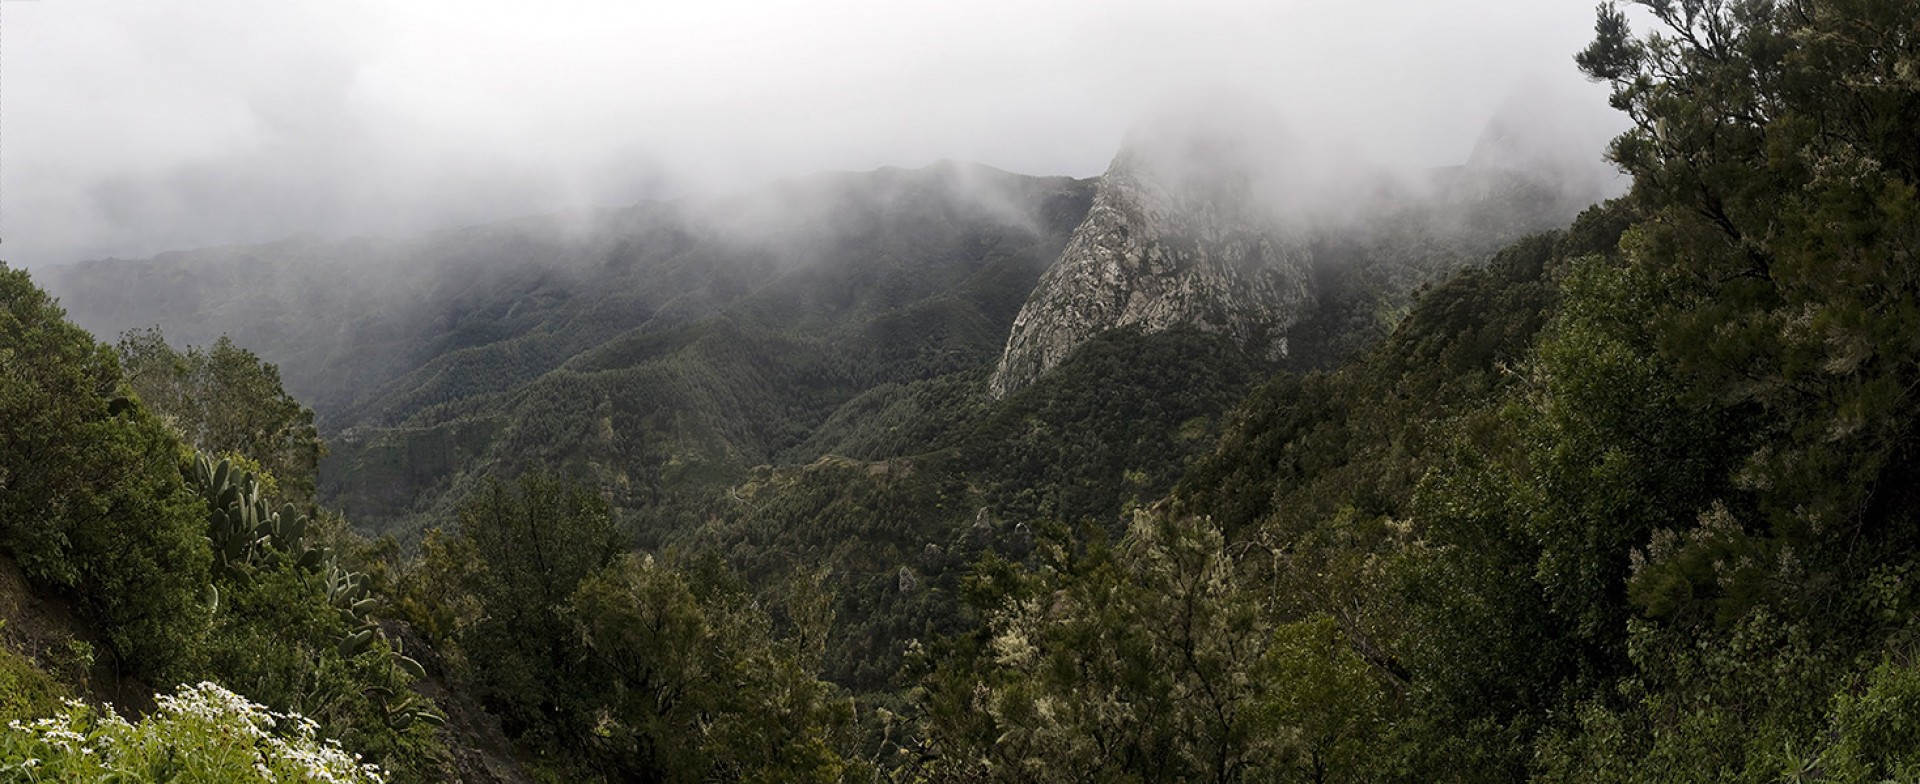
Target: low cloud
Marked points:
129	129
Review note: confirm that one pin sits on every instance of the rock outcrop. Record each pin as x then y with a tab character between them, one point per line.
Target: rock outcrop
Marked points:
1185	231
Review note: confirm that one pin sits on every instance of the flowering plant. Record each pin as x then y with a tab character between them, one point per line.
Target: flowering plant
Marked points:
199	733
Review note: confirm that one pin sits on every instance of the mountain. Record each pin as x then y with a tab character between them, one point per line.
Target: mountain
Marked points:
666	349
1179	235
349	320
697	337
1630	500
1217	217
806	374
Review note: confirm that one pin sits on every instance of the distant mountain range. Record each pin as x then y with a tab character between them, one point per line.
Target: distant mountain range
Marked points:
674	345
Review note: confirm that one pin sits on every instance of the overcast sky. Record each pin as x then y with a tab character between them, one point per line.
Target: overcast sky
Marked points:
129	128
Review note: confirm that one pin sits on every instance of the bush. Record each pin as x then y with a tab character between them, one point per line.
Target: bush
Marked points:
90	500
25	690
199	733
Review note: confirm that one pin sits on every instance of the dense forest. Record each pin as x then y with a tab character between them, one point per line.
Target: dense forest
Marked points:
1631	500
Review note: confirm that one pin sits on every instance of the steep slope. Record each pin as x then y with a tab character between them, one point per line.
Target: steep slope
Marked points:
856	281
370	330
1219	219
665	350
1178	236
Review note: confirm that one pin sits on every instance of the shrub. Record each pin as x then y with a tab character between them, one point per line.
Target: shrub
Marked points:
199	733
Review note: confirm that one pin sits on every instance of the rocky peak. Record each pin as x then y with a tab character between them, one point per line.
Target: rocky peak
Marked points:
1186	230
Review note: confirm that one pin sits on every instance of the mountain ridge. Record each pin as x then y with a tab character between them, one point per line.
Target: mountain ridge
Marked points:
681	343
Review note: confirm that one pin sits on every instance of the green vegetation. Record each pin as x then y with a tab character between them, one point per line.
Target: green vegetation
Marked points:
200	733
225	401
535	545
1630	502
94	502
1256	624
1149	660
106	505
25	690
612	666
668	379
294	627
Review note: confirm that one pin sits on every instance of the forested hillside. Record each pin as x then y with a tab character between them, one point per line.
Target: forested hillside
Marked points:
1630	504
698	493
153	548
669	348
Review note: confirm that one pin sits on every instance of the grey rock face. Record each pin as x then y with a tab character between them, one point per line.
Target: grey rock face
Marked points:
1177	237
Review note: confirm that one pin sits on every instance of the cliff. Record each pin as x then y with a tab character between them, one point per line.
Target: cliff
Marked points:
1183	232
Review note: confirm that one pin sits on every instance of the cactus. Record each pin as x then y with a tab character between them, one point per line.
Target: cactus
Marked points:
356	643
234	509
242	528
289	527
409	665
348	592
408	710
246	534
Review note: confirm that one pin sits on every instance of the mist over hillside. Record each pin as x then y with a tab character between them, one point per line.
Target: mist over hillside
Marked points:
706	336
718	366
409	299
1349	417
345	317
795	369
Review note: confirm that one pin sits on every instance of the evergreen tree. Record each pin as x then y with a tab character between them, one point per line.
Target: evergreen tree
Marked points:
91	498
226	401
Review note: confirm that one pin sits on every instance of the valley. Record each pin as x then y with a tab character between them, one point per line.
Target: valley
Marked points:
1241	461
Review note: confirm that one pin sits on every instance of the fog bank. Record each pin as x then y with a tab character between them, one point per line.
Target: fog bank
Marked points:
128	129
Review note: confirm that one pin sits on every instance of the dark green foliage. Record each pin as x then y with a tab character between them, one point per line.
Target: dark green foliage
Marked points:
294	629
805	396
1871	725
1301	447
278	639
434	591
1641	515
1155	659
1761	346
26	691
893	537
1613	54
242	528
224	400
1113	424
621	667
892	420
96	505
1308	480
536	542
1633	502
90	499
694	685
913	291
